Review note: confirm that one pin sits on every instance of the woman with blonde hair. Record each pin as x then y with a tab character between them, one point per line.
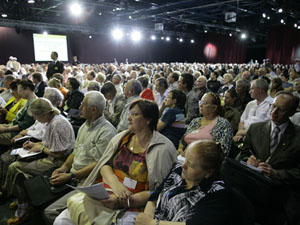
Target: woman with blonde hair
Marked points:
57	142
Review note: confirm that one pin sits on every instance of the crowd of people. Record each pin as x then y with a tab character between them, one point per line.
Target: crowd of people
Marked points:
128	125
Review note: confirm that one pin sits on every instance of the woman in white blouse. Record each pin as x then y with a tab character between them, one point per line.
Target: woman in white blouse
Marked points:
57	142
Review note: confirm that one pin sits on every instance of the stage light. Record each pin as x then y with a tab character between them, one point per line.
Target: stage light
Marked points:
117	34
100	13
205	31
268	18
31	1
243	36
180	40
299	27
130	17
230	34
281	21
162	38
168	39
192	41
136	36
90	37
295	25
153	37
45	33
264	15
76	9
4	15
280	10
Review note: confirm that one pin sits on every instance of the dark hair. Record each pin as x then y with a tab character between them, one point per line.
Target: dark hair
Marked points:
295	99
14	84
217	101
108	87
180	98
162	82
149	110
144	81
188	79
74	83
175	76
26	84
38	76
92	73
59	77
55	53
278	84
8	72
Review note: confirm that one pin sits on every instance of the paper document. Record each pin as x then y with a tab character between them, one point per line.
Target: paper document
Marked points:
21	138
23	153
251	167
97	191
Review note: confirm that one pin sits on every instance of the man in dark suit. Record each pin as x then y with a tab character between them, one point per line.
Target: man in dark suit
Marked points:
39	84
55	66
272	146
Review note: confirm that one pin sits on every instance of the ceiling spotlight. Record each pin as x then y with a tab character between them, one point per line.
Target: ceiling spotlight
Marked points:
280	10
295	25
264	15
281	21
162	38
243	36
100	13
168	39
299	27
180	40
129	17
31	1
268	18
4	15
45	33
117	34
205	31
192	41
90	37
76	9
136	36
114	10
230	34
153	37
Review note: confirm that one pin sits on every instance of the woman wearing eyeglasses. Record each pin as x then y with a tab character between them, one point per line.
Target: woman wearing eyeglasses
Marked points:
211	125
135	162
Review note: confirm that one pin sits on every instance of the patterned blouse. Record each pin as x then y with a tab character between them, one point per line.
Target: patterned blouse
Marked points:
221	133
59	135
175	202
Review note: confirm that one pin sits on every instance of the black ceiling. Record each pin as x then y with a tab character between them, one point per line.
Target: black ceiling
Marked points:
185	16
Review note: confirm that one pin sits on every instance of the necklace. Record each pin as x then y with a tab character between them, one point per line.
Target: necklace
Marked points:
138	146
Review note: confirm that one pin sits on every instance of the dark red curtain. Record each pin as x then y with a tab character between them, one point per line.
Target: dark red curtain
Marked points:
282	45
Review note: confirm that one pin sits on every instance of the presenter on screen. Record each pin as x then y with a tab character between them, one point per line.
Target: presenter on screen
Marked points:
55	66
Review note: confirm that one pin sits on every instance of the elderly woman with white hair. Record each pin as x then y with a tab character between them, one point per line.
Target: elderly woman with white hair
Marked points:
57	142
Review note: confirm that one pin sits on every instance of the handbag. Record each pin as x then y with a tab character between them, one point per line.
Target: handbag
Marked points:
41	192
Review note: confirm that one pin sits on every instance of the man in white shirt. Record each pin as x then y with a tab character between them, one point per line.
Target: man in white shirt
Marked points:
161	87
258	110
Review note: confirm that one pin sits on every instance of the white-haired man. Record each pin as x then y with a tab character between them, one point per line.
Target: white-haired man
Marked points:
92	139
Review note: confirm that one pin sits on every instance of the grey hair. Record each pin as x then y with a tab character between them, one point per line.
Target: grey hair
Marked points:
262	83
135	86
244	82
54	96
94	85
95	98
